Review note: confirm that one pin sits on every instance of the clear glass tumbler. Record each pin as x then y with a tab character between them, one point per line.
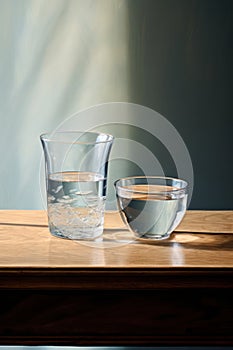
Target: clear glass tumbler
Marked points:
76	165
151	206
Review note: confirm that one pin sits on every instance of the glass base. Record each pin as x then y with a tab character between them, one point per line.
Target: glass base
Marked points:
77	234
152	237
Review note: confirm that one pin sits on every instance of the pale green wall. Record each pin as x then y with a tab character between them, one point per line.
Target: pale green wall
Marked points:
60	56
57	57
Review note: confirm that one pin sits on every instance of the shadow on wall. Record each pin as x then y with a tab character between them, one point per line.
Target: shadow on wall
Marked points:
181	66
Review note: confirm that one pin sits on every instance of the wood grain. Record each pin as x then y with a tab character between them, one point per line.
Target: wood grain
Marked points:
194	221
26	242
209	221
119	291
32	258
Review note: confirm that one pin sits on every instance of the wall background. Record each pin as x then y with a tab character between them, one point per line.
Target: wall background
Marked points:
181	66
61	56
57	57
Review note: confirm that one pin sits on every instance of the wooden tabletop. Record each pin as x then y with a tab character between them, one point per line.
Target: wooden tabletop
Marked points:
119	291
31	257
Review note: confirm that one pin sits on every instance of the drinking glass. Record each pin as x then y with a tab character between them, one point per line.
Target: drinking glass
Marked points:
76	165
151	206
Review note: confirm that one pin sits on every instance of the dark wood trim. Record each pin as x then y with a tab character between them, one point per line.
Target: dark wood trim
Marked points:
115	278
117	341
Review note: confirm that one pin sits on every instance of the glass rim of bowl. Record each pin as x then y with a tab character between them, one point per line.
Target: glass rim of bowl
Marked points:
173	190
50	137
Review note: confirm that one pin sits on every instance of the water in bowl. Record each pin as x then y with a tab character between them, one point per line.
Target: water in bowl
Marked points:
152	211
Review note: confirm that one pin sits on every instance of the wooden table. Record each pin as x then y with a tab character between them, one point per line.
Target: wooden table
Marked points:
119	291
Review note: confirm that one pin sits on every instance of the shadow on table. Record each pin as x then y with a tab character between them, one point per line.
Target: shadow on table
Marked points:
210	241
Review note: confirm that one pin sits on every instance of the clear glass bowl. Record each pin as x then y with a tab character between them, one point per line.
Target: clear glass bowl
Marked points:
152	206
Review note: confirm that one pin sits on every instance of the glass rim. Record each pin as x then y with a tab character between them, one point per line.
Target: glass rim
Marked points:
183	182
49	137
